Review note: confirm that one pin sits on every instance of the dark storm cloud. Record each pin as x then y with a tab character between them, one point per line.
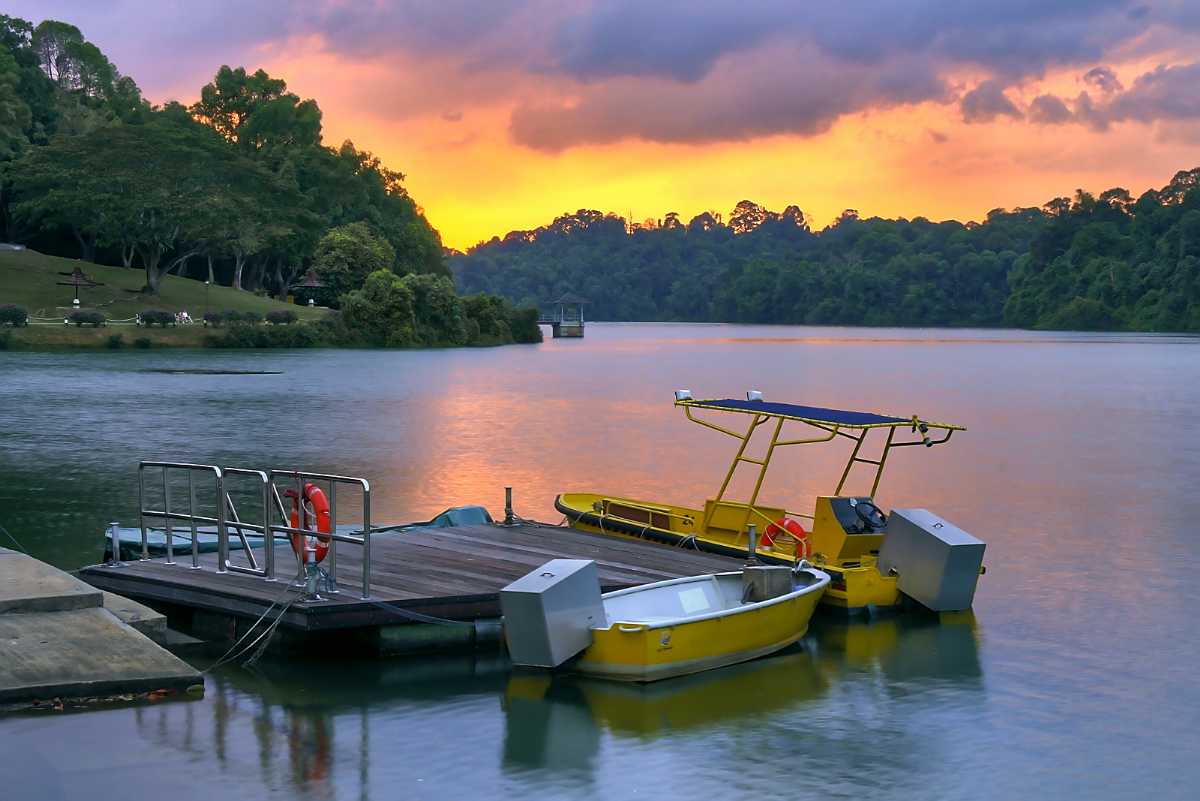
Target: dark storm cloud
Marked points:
986	102
1049	110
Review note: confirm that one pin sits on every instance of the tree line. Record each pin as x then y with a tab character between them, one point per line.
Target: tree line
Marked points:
237	188
1110	262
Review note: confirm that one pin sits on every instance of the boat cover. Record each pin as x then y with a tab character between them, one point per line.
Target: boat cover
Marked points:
808	414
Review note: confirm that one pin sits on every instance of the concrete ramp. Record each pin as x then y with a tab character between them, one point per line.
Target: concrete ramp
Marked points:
82	653
58	639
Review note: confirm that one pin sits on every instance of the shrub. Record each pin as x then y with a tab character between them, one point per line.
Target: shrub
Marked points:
115	342
241	335
252	317
281	317
143	343
5	339
14	315
161	317
215	318
87	317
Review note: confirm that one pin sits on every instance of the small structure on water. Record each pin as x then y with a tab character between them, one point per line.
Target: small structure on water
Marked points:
565	317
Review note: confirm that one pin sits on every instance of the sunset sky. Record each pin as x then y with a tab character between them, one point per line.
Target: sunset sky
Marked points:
506	113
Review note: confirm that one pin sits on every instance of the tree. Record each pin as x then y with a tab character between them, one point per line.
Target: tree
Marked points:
256	111
345	255
381	312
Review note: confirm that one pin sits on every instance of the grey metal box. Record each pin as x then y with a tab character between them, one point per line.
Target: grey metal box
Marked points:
937	562
549	613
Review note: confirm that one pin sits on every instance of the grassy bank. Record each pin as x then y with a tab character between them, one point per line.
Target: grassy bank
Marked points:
30	279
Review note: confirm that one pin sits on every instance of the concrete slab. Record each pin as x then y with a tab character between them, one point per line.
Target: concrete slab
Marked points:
140	617
82	653
27	585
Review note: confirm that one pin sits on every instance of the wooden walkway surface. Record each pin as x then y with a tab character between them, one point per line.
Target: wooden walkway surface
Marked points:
453	573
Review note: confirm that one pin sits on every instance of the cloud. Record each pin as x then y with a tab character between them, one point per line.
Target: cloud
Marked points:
1167	93
591	71
1049	110
1103	79
452	116
986	102
751	95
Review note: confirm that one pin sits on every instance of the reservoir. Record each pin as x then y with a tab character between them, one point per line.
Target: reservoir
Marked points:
1074	677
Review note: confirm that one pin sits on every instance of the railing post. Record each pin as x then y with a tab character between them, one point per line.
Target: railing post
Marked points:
115	529
141	507
192	515
331	585
222	531
366	570
508	509
268	532
167	510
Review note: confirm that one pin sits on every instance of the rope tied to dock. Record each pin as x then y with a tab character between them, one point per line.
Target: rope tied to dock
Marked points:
264	637
15	541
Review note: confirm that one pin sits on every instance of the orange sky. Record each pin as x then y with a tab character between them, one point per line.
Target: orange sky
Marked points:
921	160
508	113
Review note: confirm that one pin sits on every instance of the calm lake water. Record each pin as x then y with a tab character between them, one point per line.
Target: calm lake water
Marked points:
1074	677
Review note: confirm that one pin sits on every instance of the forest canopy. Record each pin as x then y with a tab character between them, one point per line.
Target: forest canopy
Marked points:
1088	262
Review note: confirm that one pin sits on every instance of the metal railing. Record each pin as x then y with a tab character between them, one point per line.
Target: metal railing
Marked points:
225	516
168	516
298	479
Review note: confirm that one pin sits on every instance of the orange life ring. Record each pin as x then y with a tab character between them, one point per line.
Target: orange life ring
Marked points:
786	525
316	518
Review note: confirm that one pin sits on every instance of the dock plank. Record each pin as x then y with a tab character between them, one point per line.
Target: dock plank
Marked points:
450	572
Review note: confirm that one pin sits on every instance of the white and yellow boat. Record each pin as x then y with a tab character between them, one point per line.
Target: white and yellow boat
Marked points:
700	622
672	628
842	536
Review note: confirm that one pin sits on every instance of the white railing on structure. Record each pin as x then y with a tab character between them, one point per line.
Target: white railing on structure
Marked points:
225	517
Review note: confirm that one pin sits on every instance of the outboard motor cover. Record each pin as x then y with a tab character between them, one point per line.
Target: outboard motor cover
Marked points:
937	563
549	613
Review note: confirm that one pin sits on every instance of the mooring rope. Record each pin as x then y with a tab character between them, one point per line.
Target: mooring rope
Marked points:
15	541
230	656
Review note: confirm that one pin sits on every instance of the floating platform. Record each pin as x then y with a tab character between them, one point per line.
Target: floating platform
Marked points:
451	574
61	639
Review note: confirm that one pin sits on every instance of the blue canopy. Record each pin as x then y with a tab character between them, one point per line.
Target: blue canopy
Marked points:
808	414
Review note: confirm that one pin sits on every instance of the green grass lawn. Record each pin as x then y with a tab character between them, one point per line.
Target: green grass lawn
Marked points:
29	279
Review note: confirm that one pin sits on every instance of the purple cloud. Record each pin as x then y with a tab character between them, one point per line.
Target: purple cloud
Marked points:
986	102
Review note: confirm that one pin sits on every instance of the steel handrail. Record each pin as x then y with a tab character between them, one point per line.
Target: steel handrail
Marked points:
167	515
298	478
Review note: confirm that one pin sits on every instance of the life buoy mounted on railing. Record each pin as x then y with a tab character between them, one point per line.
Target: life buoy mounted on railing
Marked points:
786	525
316	518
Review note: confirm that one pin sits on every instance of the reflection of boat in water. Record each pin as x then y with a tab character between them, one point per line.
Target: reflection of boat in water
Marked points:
924	646
847	532
554	720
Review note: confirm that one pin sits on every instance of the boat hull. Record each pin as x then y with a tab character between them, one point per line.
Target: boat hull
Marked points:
646	652
857	588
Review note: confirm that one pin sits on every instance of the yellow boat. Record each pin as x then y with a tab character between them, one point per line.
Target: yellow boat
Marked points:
672	628
845	533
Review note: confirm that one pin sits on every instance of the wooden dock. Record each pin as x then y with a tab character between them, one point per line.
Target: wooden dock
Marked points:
451	573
